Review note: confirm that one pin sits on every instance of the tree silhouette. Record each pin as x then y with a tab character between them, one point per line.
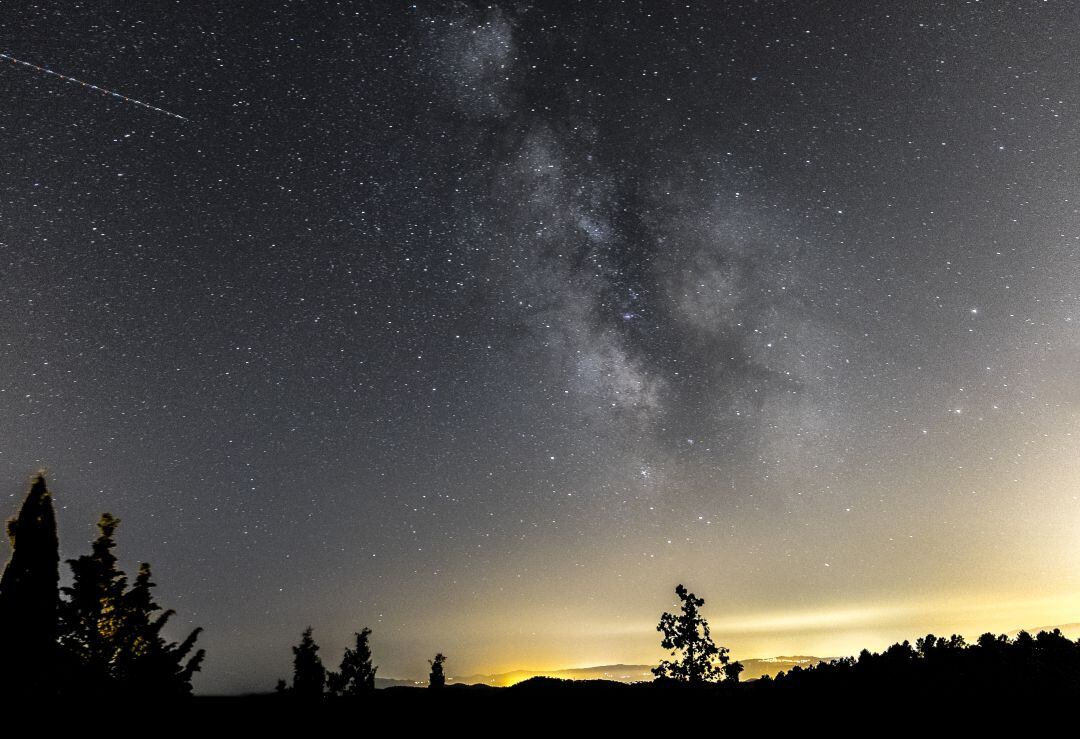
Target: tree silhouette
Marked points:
695	658
111	635
437	679
309	675
1029	667
91	615
147	662
732	670
29	596
335	683
356	674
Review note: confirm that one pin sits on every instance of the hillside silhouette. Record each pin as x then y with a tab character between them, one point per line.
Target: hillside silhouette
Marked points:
755	668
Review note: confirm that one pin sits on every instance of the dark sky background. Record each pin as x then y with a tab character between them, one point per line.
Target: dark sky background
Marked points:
485	325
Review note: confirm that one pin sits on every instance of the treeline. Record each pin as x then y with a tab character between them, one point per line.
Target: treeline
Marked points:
1046	663
99	637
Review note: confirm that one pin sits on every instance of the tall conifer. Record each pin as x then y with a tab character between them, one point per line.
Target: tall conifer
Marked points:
29	596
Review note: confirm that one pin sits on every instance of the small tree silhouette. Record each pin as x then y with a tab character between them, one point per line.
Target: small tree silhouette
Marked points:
732	670
309	675
696	659
357	674
437	679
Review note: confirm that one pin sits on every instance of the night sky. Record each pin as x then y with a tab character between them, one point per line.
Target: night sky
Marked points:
485	325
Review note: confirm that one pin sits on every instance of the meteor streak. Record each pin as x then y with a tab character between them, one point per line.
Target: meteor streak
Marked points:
95	88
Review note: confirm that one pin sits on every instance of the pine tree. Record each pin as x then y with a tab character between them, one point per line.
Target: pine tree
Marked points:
309	675
111	634
437	678
357	674
29	596
91	614
696	659
146	663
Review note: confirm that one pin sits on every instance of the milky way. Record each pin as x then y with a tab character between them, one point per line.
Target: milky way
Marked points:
485	325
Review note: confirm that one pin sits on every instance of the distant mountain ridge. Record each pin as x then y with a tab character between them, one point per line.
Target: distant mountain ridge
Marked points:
755	668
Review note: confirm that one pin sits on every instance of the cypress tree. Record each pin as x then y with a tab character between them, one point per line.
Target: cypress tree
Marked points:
29	596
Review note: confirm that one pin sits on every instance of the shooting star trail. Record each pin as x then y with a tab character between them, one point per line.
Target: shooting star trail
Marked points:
95	88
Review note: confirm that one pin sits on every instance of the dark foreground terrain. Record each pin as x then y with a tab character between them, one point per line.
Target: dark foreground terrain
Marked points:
897	682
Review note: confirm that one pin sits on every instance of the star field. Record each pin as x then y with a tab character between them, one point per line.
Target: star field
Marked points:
484	325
